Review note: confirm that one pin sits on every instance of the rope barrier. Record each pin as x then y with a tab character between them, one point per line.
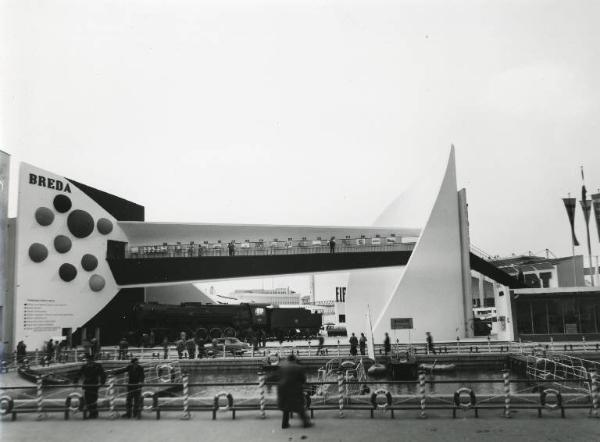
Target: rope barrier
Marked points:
261	388
423	394
594	377
40	398
111	397
506	377
341	393
186	398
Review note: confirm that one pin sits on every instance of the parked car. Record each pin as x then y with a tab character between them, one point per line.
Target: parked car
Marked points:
232	345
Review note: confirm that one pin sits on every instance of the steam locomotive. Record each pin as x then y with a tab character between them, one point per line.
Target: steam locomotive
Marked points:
209	321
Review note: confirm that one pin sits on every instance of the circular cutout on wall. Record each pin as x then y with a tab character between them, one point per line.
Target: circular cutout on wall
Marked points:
97	283
67	272
62	244
38	252
62	203
104	225
44	216
80	223
89	262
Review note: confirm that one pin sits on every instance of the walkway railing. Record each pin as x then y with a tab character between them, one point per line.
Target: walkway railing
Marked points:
378	398
193	251
309	349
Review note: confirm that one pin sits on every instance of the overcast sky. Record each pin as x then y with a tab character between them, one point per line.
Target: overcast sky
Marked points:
311	112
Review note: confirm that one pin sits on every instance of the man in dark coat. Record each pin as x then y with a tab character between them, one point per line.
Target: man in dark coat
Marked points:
21	352
362	344
387	347
134	389
290	396
93	376
353	345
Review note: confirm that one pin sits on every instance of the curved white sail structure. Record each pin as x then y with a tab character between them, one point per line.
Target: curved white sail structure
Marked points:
429	288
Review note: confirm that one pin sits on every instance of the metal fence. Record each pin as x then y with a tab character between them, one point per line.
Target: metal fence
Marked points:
378	400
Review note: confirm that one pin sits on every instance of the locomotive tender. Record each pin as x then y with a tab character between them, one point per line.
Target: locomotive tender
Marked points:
215	321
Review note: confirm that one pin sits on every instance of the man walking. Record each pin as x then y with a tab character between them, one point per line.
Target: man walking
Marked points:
387	347
430	347
93	376
290	391
134	389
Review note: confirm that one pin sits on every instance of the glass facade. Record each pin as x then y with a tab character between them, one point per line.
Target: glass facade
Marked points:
565	315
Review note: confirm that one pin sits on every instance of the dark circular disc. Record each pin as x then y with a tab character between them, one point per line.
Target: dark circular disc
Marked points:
44	216
38	252
62	203
80	223
62	244
67	272
89	262
104	225
97	283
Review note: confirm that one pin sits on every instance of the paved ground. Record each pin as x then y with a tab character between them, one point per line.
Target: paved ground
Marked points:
356	426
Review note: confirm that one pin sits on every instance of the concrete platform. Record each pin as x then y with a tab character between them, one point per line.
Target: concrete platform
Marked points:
356	426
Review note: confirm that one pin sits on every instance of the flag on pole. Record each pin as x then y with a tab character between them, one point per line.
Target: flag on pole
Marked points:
570	204
596	204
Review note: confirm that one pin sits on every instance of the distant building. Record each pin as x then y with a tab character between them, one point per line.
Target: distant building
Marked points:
278	296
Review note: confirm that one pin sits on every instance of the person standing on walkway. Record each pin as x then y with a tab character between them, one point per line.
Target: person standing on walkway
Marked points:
190	345
332	245
231	248
353	345
123	347
165	346
387	346
321	342
180	346
290	397
50	351
430	347
21	352
135	380
362	343
92	375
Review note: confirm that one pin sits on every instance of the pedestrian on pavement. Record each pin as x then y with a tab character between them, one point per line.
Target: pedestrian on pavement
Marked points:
92	375
135	380
362	343
123	346
387	347
332	245
353	345
290	395
231	248
430	346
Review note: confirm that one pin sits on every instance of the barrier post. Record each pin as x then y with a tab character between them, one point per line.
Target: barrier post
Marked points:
457	344
341	393
423	393
116	353
186	398
111	397
338	348
261	392
551	343
309	349
489	345
583	342
594	377
223	350
506	378
40	398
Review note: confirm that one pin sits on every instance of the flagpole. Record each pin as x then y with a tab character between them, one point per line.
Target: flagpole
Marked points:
586	214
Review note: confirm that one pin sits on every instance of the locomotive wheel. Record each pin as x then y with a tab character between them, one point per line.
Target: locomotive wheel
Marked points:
229	332
215	332
201	333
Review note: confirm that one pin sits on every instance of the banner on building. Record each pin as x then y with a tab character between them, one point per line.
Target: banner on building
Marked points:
596	204
570	204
